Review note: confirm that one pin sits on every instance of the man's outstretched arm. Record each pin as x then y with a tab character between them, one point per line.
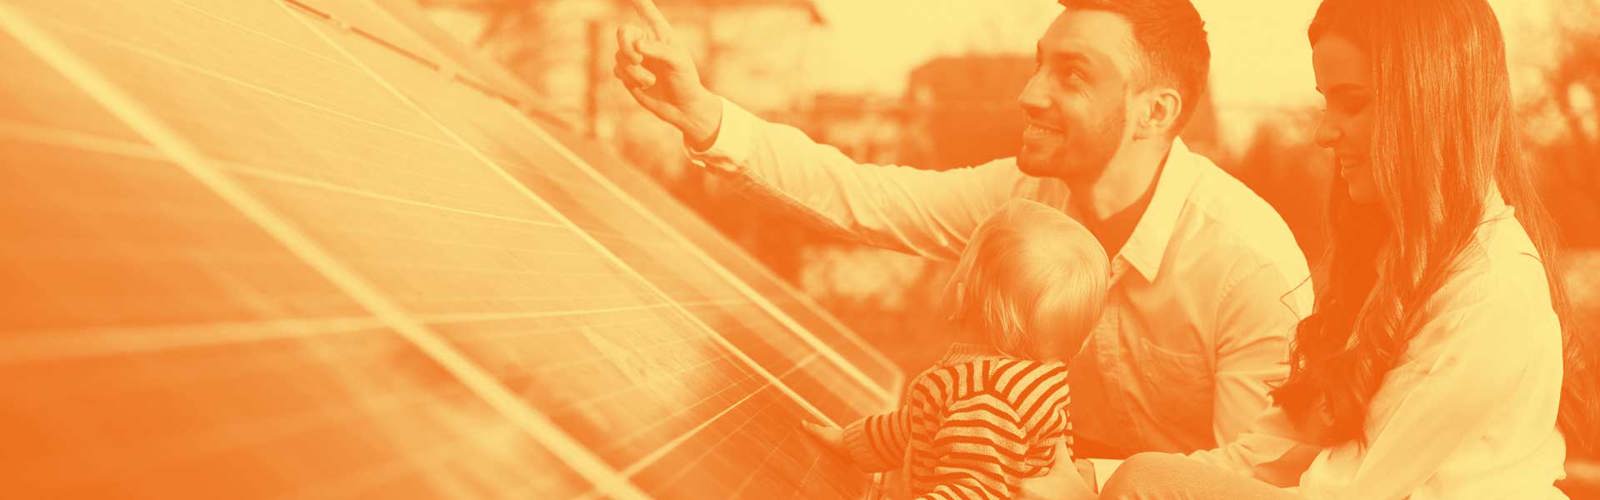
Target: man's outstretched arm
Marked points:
902	208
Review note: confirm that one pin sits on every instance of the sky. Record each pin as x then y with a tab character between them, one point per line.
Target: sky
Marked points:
1260	56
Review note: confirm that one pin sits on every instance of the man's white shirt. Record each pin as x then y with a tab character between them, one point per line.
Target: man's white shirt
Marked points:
1205	294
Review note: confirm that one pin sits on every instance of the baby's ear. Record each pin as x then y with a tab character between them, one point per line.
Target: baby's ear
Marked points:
957	301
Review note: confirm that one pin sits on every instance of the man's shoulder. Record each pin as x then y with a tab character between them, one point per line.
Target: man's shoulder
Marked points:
1236	224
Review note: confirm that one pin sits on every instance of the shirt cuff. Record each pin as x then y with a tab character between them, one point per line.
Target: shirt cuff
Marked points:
732	145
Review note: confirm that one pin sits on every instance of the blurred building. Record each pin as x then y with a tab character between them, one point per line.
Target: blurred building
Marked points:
752	51
747	49
963	110
866	127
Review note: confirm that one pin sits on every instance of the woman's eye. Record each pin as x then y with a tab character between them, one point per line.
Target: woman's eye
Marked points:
1349	106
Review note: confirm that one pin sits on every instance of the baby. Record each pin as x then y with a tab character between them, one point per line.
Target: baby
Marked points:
1032	282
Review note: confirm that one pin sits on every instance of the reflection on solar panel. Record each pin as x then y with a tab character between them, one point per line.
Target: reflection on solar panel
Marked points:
265	249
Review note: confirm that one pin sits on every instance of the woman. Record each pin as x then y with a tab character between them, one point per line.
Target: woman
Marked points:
1433	364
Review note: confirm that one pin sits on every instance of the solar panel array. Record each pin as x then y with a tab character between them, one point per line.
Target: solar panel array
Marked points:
305	248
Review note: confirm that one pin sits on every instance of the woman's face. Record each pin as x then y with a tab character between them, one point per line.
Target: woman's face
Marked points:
1344	77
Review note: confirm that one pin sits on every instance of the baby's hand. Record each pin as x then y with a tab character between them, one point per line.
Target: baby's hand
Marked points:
1067	480
831	437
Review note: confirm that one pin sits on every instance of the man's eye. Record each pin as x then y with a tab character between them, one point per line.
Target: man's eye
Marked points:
1071	75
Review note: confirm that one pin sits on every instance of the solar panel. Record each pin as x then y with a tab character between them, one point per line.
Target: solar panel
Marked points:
749	271
641	193
267	249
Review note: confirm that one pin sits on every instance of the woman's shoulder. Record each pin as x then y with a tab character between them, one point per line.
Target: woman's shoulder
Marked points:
1499	287
1501	270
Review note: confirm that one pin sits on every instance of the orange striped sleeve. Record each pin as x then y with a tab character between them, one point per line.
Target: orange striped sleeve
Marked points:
879	442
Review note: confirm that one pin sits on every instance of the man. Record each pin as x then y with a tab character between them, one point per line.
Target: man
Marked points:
1207	281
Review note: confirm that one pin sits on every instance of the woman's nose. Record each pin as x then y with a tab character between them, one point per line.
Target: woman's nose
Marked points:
1327	134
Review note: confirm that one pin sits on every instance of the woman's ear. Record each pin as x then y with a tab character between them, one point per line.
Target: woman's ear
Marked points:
1158	111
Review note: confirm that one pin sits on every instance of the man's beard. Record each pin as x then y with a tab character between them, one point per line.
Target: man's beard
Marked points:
1086	160
1081	153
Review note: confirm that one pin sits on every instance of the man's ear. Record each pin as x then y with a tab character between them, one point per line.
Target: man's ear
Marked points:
1158	112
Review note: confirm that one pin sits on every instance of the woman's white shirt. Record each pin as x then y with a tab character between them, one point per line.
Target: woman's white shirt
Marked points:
1470	409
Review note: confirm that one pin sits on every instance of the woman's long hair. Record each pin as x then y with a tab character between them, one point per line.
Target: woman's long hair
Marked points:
1444	138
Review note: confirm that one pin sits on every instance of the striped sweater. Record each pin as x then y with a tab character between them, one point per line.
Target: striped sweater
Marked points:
971	427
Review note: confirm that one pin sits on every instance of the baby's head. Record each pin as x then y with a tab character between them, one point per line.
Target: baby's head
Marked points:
1032	280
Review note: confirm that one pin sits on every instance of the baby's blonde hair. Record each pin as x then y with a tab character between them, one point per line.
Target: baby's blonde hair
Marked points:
1023	259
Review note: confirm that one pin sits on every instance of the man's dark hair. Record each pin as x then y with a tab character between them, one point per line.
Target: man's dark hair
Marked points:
1173	39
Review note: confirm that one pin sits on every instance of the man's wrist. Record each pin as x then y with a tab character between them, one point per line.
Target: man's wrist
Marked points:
702	121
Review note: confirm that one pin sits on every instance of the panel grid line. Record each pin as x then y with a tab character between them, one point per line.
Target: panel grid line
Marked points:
241	83
248	29
120	147
599	248
804	301
189	158
773	381
876	387
49	345
827	351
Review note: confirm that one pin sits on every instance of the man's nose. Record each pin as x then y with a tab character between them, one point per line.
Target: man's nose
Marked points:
1033	98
